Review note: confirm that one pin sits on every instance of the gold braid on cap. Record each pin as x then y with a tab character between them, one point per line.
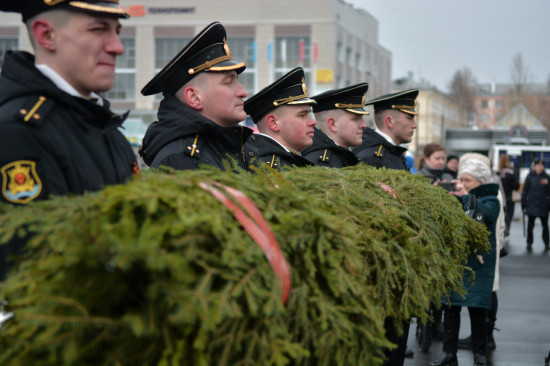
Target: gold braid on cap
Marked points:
93	7
346	106
209	64
290	99
402	106
53	2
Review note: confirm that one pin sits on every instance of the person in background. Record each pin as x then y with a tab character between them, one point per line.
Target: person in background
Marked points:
432	166
339	114
58	135
510	183
479	200
282	112
202	106
535	202
466	343
452	165
409	162
433	163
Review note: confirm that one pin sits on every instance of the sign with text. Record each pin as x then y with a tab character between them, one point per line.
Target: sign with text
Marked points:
141	10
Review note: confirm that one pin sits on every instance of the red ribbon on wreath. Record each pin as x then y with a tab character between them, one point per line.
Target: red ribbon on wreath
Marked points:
252	220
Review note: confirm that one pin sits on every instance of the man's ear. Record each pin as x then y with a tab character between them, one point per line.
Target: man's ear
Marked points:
273	123
388	121
193	98
44	33
331	124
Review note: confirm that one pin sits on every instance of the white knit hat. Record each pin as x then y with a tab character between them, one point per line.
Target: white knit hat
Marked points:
477	165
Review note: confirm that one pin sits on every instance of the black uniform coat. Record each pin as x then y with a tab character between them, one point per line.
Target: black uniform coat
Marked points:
65	143
261	149
376	151
183	139
325	152
52	143
535	197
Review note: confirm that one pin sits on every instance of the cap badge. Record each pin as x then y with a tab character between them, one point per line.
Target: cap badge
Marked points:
226	48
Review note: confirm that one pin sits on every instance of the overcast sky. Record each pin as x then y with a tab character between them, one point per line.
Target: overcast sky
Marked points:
435	38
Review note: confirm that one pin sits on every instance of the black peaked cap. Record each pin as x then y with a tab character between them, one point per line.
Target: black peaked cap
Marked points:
351	99
207	51
289	89
30	8
404	101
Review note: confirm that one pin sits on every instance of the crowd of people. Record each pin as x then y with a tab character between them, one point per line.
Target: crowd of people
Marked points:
58	136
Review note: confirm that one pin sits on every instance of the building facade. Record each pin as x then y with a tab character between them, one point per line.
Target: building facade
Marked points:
495	102
335	43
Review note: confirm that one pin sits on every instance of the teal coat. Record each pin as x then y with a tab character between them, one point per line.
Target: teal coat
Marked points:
479	293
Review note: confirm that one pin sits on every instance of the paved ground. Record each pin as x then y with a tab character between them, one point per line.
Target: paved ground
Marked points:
523	314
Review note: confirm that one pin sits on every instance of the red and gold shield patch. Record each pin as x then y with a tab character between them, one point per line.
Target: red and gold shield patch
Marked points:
20	182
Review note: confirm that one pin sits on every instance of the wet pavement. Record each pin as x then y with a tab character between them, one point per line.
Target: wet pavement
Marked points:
523	316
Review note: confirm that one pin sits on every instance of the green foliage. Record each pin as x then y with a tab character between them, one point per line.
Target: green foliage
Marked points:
158	272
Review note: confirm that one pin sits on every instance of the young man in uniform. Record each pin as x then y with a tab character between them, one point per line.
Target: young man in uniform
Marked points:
282	112
395	124
57	135
394	116
202	106
339	114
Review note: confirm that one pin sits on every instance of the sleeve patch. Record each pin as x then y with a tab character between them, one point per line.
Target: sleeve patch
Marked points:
20	182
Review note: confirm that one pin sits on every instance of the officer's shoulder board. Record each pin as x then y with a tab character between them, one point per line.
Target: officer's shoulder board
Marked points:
34	109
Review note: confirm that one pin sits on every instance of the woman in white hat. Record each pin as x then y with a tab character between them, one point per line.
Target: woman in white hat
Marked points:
479	199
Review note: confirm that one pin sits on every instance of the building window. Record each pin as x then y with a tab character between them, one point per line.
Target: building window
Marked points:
338	81
243	49
7	44
484	103
340	51
484	118
124	88
292	52
349	59
358	63
498	103
165	50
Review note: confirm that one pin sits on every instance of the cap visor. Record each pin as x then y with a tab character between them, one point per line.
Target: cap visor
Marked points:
357	111
105	8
